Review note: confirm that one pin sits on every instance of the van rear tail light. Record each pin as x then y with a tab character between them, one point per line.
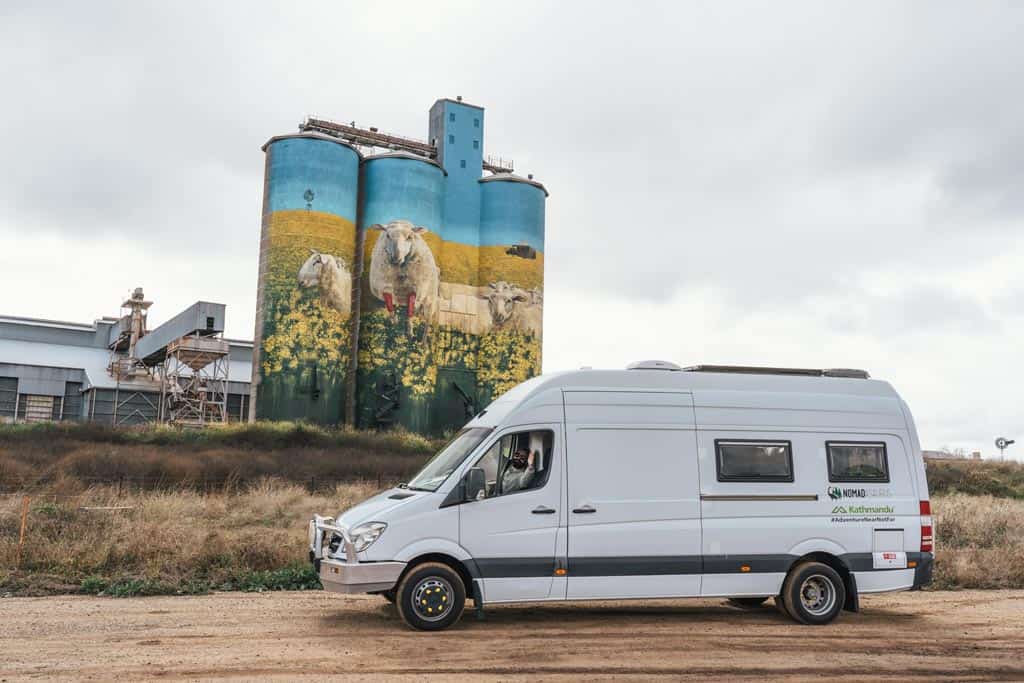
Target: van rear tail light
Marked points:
927	535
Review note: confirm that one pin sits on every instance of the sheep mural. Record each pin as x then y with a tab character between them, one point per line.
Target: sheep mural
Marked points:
329	275
434	334
402	267
513	307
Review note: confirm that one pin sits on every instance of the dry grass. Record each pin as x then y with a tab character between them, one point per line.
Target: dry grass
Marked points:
976	477
180	541
980	542
33	456
254	538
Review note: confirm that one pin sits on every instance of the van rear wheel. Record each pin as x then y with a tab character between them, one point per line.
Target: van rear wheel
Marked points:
747	603
813	593
431	597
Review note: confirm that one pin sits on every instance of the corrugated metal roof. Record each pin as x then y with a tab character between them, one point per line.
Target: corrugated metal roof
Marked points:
40	322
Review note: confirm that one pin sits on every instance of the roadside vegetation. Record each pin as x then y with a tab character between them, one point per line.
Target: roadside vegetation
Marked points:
976	478
39	456
162	511
979	541
94	540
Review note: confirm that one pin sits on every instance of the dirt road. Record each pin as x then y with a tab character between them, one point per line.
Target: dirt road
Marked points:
971	635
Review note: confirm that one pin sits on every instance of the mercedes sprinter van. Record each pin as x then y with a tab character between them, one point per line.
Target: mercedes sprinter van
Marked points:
806	486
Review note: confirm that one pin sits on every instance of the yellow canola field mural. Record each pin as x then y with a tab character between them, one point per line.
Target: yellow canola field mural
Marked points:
300	330
501	358
471	265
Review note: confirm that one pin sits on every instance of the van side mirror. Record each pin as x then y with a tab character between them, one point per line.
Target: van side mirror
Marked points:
475	483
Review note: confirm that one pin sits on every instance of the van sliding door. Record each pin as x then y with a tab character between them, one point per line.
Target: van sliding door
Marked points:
633	494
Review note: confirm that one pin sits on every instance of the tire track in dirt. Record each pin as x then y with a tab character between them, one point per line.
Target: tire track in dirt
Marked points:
964	636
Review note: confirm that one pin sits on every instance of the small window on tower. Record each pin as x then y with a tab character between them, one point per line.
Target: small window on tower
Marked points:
462	163
451	116
451	139
476	123
476	144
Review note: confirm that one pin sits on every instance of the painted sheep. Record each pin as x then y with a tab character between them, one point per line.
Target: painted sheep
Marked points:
330	275
514	308
402	267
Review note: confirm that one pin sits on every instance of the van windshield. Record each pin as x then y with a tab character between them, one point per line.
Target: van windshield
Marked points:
448	459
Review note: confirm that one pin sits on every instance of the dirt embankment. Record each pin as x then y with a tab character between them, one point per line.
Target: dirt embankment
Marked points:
969	635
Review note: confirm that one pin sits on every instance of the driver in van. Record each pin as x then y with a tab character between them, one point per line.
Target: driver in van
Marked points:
519	473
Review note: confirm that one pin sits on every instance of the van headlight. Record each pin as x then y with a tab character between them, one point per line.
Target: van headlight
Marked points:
364	535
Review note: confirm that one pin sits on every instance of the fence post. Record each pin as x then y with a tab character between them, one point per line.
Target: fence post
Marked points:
380	480
21	536
120	485
312	485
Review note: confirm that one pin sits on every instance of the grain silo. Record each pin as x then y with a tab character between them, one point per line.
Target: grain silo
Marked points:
446	311
401	213
302	346
512	271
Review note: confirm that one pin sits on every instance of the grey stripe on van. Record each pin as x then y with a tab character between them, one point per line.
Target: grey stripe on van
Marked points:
634	566
759	564
516	567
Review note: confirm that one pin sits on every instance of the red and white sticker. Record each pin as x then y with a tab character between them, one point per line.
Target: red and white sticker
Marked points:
890	560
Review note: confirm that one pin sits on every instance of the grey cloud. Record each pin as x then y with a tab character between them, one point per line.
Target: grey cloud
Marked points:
918	310
775	154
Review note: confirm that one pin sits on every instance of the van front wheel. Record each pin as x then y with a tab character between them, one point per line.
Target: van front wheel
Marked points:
813	593
431	597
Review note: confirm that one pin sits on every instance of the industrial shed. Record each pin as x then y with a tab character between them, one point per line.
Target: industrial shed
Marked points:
53	370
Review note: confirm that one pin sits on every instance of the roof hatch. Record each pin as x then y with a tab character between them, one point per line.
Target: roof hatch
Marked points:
653	365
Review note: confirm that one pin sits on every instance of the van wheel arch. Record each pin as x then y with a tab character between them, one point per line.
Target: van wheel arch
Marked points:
457	565
852	603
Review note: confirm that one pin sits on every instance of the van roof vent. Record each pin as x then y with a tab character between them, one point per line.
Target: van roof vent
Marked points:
653	365
804	372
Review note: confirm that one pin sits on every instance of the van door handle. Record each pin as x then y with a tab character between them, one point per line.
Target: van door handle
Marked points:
585	510
543	510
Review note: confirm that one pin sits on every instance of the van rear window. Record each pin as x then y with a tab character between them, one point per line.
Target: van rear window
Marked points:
767	461
855	461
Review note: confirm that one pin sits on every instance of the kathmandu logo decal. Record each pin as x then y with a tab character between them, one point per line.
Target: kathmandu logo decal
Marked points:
839	510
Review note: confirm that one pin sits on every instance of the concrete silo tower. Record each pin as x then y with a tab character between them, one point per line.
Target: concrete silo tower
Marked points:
302	347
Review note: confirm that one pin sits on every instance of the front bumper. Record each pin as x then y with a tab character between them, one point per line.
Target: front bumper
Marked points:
348	574
363	577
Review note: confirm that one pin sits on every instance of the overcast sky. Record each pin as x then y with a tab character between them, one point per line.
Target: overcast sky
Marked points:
800	184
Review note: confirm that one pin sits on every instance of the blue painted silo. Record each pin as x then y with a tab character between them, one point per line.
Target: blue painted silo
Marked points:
512	216
307	249
511	278
396	378
400	185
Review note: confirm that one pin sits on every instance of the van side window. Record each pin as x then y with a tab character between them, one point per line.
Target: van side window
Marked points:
855	461
517	462
754	461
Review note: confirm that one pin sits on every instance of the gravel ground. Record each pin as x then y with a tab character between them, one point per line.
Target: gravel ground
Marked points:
968	635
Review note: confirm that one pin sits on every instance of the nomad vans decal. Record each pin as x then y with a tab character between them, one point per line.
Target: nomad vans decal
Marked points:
838	493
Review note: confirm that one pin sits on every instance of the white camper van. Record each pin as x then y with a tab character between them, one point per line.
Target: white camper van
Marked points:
656	481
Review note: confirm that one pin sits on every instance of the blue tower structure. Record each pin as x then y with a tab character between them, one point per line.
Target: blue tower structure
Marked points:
457	132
